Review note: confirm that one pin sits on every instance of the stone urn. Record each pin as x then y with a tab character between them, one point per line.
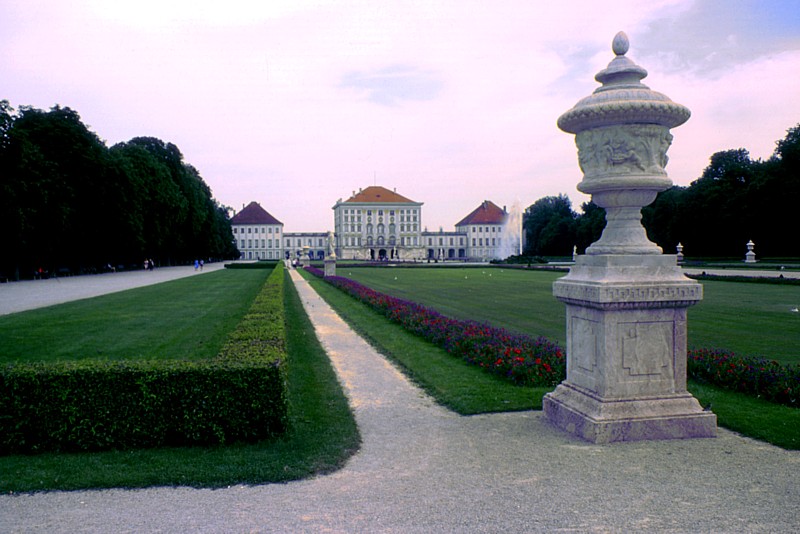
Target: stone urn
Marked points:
625	301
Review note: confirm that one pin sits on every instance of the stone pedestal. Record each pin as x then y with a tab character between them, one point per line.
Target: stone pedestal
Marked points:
330	266
626	347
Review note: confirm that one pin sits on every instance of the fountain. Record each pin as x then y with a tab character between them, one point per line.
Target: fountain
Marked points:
511	233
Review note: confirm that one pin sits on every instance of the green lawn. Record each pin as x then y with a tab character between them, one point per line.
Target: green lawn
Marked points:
322	432
518	300
749	319
183	319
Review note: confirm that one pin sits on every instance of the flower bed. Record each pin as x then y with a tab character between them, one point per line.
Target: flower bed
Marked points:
519	358
764	378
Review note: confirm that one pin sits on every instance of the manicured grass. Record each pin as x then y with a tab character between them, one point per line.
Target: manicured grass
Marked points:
187	318
748	319
518	300
753	417
464	388
750	416
322	435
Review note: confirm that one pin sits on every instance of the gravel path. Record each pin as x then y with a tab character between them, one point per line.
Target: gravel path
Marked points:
424	469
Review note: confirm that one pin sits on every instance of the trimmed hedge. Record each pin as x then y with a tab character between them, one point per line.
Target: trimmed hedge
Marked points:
260	264
92	405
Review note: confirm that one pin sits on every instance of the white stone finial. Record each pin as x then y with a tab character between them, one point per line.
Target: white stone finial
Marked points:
620	44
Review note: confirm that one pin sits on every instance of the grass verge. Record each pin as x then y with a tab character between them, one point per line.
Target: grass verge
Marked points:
322	435
188	318
750	416
464	388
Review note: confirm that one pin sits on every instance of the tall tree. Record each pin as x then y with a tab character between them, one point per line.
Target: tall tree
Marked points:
550	227
590	225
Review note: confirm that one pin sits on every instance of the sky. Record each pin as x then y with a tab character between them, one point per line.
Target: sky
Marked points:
296	104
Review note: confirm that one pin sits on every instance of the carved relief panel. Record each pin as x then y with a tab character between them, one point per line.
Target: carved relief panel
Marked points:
623	149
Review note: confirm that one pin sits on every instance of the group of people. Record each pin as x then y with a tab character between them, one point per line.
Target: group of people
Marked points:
149	265
198	264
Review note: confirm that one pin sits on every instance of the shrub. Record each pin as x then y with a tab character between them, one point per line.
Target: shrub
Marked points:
94	405
261	264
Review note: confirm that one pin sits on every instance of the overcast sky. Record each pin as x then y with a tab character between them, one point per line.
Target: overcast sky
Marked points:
298	103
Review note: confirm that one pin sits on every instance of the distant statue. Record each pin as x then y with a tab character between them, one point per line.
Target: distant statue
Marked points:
331	248
750	257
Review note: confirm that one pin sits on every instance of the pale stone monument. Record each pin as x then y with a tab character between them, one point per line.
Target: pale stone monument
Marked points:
305	259
330	257
679	255
626	302
750	256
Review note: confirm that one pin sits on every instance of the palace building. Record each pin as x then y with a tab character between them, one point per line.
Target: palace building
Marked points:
258	235
376	224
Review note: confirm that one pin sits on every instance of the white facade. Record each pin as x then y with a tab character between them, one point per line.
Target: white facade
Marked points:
259	241
298	244
443	245
258	235
375	224
378	224
483	240
484	231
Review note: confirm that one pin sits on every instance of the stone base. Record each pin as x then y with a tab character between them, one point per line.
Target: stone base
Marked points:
330	267
597	420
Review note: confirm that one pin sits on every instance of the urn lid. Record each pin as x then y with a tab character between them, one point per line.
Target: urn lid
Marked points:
623	98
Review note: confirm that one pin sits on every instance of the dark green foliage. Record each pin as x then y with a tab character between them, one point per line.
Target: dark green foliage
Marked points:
91	405
550	227
94	405
69	204
736	200
252	265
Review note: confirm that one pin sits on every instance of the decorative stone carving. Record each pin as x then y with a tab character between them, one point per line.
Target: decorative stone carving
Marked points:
614	150
626	301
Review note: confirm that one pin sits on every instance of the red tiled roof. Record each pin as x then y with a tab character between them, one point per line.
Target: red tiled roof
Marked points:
253	213
487	213
377	194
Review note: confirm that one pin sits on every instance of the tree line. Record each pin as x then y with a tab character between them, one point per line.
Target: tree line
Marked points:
69	203
737	199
